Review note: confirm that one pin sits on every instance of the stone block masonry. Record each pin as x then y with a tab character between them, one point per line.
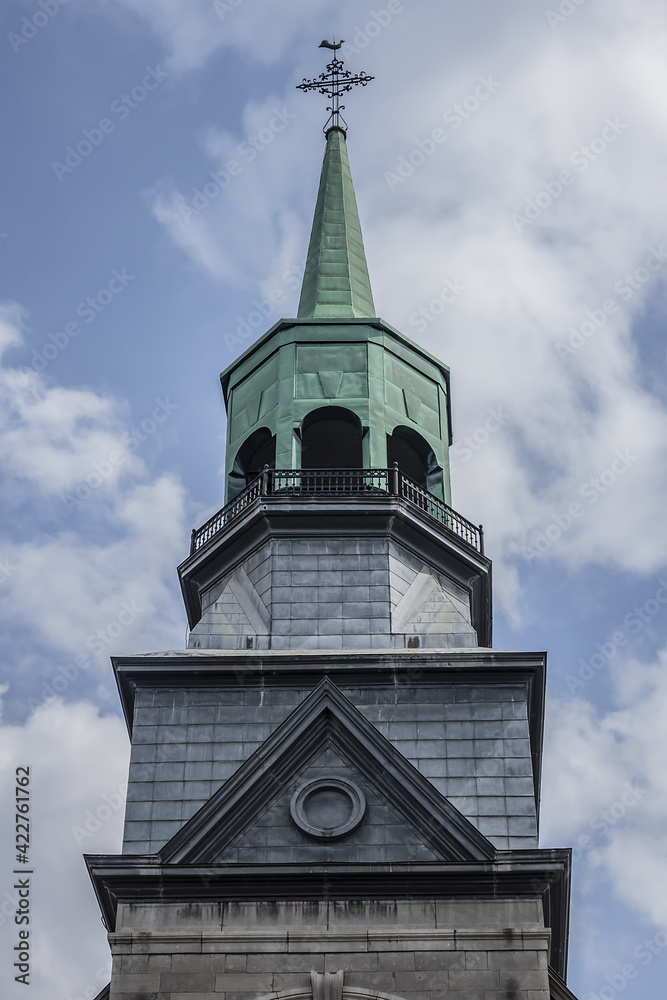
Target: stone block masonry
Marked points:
417	950
334	593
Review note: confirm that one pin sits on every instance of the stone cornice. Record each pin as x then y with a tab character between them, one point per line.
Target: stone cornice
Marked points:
542	874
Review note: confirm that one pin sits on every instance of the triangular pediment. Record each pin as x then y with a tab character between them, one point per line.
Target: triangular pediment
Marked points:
327	786
331	786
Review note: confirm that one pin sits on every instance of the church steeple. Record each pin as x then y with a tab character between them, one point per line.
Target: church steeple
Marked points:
336	283
339	752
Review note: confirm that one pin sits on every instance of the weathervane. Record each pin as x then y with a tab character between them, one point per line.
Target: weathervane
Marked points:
333	83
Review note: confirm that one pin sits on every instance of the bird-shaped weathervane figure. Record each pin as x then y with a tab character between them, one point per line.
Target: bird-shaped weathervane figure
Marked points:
336	81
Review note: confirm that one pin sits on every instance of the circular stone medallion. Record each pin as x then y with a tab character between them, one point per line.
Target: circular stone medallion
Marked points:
328	808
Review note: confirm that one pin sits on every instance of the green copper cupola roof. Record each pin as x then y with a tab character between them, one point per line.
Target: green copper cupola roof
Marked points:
335	282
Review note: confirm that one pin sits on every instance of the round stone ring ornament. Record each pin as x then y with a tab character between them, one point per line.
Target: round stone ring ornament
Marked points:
328	808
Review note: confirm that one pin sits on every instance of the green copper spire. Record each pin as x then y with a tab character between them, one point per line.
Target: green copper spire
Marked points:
336	282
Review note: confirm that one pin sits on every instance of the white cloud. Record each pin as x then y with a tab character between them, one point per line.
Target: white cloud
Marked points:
240	197
605	788
90	582
451	218
102	579
54	437
69	588
78	763
193	30
524	291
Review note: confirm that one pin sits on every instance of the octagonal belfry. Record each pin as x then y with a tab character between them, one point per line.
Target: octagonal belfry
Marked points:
338	532
338	393
334	791
337	387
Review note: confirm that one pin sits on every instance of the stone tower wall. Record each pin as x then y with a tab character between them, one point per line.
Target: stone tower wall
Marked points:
414	950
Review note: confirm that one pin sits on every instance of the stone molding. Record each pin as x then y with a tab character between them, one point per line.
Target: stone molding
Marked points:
358	993
355	796
470	939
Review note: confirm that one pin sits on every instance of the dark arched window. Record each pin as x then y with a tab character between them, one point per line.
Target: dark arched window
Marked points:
416	459
331	439
256	452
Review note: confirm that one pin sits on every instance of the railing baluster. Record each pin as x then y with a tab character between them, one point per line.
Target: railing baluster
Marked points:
334	482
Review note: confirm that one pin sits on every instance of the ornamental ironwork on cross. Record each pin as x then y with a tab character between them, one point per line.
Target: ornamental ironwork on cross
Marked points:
336	81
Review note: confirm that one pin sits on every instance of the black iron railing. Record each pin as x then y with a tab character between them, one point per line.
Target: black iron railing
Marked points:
330	482
339	482
229	513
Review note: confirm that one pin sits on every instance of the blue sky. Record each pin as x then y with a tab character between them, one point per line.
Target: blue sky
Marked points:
509	168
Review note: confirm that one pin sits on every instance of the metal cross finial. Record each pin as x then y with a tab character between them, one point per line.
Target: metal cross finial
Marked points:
336	81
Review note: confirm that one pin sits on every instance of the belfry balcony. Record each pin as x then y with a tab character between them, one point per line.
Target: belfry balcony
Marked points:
300	484
337	559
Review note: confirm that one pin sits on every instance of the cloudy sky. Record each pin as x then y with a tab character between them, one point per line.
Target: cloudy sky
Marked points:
509	162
